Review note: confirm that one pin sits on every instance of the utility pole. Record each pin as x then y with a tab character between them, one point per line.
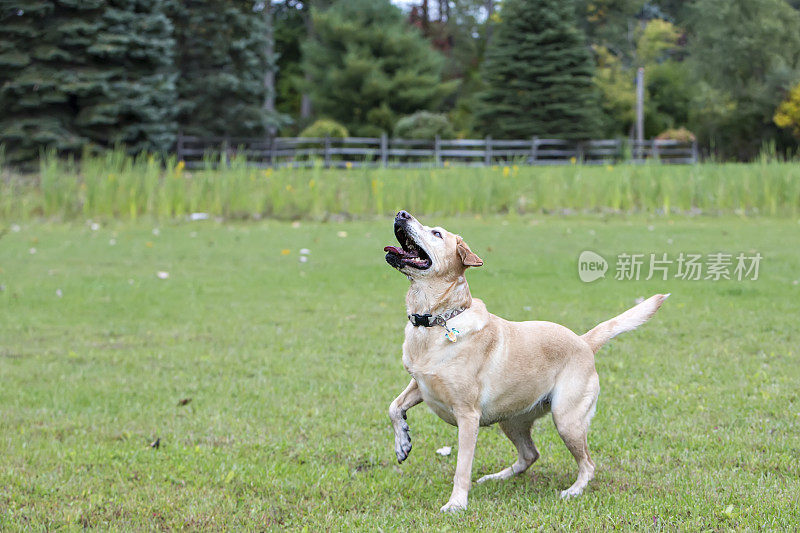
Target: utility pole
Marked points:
640	112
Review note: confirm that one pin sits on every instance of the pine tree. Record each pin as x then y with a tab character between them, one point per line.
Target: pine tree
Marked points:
74	73
367	67
222	60
538	71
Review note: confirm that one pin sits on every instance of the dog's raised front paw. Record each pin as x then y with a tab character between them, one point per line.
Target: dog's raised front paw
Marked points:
402	442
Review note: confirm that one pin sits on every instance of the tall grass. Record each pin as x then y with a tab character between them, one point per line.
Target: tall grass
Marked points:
115	185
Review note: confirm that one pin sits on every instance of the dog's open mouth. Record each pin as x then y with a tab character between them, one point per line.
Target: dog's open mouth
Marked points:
410	254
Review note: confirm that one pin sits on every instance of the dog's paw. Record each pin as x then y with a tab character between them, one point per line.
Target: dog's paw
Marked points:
454	506
499	476
402	442
571	492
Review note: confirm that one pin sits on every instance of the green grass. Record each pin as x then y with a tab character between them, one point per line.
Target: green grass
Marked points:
291	367
114	186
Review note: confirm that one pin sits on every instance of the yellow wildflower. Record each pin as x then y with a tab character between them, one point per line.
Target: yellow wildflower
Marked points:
506	172
285	251
572	160
349	165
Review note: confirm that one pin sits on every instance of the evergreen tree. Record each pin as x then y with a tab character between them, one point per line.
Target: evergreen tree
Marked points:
90	71
538	70
367	67
222	60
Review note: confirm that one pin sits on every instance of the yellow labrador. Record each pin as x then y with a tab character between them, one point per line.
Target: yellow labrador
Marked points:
474	369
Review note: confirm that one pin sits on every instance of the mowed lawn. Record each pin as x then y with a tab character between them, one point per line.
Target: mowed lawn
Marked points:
290	367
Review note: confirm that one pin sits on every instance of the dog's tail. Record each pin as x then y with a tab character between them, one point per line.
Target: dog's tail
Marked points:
630	319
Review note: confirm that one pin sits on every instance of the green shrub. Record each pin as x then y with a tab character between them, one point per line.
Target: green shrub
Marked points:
325	128
679	134
424	125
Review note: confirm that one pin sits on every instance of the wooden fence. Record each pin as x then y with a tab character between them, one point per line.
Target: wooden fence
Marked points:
383	151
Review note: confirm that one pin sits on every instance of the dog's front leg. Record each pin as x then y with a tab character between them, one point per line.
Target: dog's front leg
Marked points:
468	423
397	412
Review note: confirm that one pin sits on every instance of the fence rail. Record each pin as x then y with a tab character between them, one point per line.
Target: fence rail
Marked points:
386	152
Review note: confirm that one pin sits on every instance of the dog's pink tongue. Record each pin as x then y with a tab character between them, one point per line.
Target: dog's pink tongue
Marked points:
393	249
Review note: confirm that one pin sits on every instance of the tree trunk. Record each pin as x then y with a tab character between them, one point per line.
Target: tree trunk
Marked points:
305	99
489	23
269	75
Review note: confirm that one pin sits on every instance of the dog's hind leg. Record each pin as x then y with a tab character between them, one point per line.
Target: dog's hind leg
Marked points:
572	416
410	397
518	430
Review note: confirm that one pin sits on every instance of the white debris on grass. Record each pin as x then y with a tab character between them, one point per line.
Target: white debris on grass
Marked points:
59	293
303	259
444	451
199	216
305	251
162	274
32	251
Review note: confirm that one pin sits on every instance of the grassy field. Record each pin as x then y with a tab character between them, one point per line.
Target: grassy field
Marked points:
290	367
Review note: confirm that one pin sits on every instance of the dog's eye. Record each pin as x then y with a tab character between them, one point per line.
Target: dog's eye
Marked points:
437	234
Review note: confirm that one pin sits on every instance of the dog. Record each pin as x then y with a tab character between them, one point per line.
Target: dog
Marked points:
473	368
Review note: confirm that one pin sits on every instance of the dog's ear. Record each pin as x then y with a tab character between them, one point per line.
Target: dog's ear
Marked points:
468	257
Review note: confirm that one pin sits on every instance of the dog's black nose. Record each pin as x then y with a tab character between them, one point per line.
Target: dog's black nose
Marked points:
403	215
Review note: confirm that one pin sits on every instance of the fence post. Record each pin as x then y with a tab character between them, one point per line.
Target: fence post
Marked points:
534	149
327	151
179	146
437	151
273	149
487	151
384	149
225	145
655	150
579	153
695	152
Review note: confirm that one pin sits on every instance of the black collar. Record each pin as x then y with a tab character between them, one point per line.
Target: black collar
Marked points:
427	320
